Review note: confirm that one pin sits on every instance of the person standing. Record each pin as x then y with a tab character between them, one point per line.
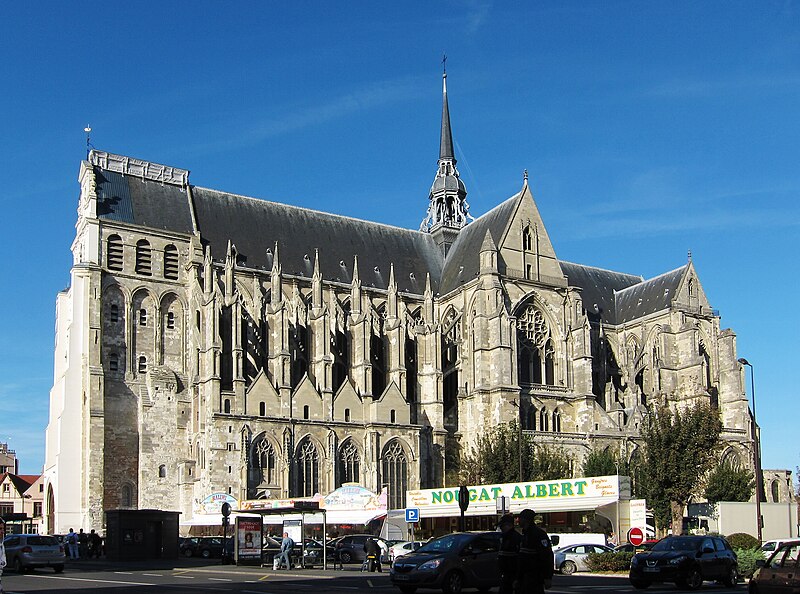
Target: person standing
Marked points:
535	559
72	544
287	545
2	552
509	551
83	544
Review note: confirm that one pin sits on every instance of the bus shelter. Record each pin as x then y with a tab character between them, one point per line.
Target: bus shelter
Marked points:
302	510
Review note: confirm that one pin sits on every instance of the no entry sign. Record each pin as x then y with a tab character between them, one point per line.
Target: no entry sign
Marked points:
635	536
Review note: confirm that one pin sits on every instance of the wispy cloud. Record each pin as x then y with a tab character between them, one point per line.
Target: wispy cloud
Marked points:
369	97
477	14
691	88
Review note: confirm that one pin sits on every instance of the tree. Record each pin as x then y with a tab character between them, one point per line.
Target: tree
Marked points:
494	458
600	463
726	483
679	449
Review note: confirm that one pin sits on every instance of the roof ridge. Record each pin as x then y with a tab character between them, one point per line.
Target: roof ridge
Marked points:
648	280
323	212
639	276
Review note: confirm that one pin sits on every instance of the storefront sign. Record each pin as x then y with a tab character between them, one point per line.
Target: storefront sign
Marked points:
213	504
544	496
248	538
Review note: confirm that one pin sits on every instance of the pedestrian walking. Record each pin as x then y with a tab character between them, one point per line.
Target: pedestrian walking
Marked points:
83	544
510	540
287	545
535	559
373	552
2	552
72	544
95	544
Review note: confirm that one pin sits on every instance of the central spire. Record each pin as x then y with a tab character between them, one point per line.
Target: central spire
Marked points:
448	211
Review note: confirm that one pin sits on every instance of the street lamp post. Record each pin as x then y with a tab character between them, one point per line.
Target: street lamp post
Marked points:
756	449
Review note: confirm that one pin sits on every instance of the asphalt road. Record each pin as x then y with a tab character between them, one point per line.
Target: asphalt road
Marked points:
197	578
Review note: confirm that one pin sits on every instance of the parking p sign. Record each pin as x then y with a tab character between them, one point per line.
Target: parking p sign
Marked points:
412	515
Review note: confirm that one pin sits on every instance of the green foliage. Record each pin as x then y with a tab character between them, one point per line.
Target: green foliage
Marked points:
726	483
679	449
742	540
746	559
611	561
495	459
600	463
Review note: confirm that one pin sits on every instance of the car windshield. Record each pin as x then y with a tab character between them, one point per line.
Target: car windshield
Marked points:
42	541
677	544
445	543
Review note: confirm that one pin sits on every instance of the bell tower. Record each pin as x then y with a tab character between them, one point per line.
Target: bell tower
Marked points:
448	211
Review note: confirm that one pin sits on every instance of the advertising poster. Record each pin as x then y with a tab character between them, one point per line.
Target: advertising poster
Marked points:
295	530
248	538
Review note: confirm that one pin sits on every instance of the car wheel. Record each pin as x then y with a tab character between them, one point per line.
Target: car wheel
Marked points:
205	554
408	589
732	578
453	583
345	557
187	552
18	566
568	567
693	581
640	584
58	568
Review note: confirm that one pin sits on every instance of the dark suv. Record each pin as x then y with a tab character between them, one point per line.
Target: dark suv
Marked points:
350	548
686	560
206	547
452	562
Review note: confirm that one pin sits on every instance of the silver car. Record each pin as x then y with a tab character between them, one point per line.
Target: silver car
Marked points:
28	551
572	558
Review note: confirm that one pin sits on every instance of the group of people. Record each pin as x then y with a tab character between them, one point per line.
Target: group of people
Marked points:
526	559
80	545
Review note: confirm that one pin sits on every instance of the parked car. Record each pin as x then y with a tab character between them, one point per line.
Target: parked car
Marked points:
451	562
207	547
398	549
350	548
771	546
687	561
28	551
570	559
779	573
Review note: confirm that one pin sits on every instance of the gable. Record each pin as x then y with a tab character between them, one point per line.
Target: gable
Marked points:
391	400
262	390
347	399
306	395
538	260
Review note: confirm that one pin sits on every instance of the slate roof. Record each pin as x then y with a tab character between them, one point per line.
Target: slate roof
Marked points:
130	199
463	260
254	226
598	286
649	296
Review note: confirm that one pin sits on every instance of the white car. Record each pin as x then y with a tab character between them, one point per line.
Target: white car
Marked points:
771	546
403	548
570	559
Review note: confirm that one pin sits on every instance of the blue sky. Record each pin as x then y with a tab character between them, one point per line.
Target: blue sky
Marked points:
648	129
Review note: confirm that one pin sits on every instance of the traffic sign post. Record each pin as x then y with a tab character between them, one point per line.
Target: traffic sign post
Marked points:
636	536
412	517
463	503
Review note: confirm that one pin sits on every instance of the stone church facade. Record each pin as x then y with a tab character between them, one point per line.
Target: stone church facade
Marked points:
211	342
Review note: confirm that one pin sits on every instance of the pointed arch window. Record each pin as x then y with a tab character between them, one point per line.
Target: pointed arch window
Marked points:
114	258
144	258
263	464
394	467
556	421
298	351
349	464
307	469
171	262
527	239
776	491
536	358
142	367
377	354
340	349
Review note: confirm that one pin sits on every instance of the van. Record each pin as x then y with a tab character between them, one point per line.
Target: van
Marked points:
559	540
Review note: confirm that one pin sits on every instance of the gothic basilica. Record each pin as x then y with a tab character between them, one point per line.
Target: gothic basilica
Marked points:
216	343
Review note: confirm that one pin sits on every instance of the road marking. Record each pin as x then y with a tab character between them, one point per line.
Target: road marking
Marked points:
154	574
219	580
263	578
371	585
184	577
124	572
74	579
